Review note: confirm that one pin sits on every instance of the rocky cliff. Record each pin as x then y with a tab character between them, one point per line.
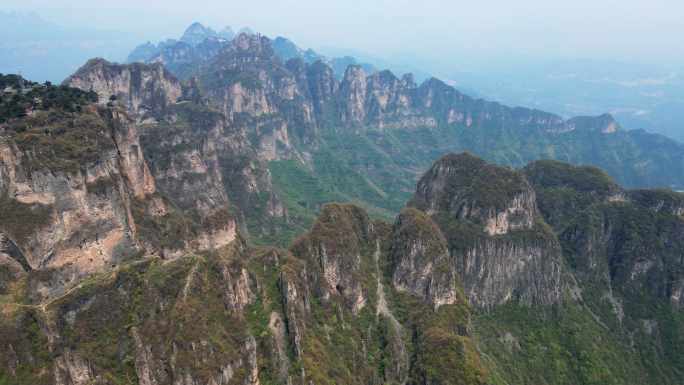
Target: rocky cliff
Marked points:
147	322
355	299
338	249
410	125
125	253
147	91
72	219
500	247
623	236
245	316
627	237
198	158
422	266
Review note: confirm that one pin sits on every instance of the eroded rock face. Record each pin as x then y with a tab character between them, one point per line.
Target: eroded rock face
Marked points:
196	154
478	206
631	244
82	222
217	230
242	286
147	91
336	249
322	84
72	368
294	291
492	196
620	236
422	266
354	85
379	99
495	271
150	321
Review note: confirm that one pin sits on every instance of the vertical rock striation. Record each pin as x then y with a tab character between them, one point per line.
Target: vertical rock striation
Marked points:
500	246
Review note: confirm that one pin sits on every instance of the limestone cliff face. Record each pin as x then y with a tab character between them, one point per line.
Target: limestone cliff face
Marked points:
260	95
422	266
458	184
395	102
147	91
620	236
237	315
294	292
197	157
380	99
354	87
630	244
336	250
529	272
254	54
82	221
322	84
201	168
500	247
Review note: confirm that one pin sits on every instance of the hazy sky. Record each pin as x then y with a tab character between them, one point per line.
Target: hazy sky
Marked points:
638	30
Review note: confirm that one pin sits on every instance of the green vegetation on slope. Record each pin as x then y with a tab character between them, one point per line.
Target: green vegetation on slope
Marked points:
567	344
15	105
304	191
59	140
393	158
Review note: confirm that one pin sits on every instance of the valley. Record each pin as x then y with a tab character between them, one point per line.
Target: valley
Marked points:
234	217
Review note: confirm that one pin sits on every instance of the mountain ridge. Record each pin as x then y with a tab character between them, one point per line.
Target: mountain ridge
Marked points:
298	114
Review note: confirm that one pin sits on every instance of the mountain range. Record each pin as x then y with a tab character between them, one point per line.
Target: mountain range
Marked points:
174	222
201	42
384	131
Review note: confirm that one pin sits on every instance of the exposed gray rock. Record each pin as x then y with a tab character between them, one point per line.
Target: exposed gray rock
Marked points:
488	203
422	266
147	91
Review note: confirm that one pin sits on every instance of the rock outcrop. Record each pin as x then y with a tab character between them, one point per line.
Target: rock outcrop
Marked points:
78	222
422	266
336	250
622	236
294	291
632	245
500	246
497	199
196	156
147	91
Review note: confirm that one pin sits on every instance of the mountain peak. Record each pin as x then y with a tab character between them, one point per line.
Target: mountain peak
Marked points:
227	33
197	33
354	73
245	30
252	44
604	123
